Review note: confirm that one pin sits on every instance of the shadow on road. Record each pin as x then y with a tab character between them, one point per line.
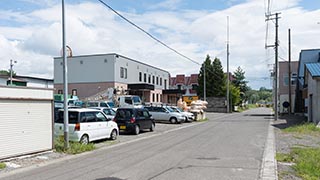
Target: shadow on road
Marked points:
109	178
285	121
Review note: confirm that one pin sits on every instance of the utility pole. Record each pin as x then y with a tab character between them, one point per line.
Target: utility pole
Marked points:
228	78
11	69
65	81
276	45
204	81
289	68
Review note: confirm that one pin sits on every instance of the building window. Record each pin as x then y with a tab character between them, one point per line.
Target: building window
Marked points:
140	76
157	97
145	77
294	78
157	80
60	91
165	84
160	81
123	72
74	92
153	97
179	87
152	79
149	78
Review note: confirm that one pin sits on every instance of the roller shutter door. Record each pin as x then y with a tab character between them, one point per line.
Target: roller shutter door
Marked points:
25	126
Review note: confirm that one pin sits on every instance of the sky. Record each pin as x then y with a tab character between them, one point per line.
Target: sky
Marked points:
31	33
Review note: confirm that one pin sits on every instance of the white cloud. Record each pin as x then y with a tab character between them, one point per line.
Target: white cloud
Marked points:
93	29
167	4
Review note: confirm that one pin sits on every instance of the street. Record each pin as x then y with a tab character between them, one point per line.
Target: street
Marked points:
227	146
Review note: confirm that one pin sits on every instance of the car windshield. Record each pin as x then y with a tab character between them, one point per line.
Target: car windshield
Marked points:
124	113
109	112
136	100
92	104
176	109
169	109
111	104
73	117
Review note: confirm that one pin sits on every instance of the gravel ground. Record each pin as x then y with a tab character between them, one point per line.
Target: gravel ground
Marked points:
45	157
284	142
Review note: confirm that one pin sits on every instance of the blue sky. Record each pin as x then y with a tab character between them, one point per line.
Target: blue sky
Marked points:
30	32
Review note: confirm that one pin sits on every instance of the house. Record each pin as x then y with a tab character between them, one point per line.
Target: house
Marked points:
92	75
302	99
312	89
285	83
26	81
181	85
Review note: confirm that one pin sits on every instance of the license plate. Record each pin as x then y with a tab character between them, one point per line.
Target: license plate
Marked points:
123	127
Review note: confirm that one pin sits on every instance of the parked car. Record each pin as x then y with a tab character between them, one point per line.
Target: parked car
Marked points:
108	104
188	115
107	111
164	113
86	125
134	119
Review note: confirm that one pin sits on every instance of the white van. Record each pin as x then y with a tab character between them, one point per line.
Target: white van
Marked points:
130	101
86	125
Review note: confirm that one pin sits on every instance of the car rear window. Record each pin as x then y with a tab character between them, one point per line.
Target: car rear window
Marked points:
73	117
124	113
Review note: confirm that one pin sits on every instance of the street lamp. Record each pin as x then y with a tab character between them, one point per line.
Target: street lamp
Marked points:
11	65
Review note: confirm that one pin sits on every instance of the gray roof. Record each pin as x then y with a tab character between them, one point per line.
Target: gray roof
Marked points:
314	69
307	56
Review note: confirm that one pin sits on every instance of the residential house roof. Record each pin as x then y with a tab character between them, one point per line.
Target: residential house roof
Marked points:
314	69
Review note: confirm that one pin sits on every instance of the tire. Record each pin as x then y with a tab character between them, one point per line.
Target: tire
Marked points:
173	120
152	127
113	135
84	139
136	130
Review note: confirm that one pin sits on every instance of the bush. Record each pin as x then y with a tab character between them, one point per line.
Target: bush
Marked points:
75	147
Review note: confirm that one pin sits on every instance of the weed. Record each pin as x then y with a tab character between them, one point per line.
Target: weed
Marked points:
75	147
306	128
3	165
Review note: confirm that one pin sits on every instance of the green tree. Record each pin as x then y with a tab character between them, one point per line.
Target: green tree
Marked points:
218	79
234	95
239	81
208	70
7	72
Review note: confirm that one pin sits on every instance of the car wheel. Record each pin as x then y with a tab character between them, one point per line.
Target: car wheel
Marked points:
84	139
152	127
136	130
113	135
173	120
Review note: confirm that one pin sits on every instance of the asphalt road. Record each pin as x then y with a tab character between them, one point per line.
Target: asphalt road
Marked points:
228	146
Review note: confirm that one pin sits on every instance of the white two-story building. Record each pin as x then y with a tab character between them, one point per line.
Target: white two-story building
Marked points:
89	75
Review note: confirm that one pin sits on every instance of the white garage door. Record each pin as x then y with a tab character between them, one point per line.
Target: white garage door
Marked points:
25	127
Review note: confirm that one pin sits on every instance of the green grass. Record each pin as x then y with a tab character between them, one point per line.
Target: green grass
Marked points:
75	147
306	128
3	165
307	162
202	120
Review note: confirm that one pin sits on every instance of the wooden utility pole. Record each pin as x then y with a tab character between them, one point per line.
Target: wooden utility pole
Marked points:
289	69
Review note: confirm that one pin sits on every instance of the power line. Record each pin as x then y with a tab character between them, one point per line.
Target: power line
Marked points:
150	35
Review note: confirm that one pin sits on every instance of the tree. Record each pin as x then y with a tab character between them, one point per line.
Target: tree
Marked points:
7	72
239	81
208	70
218	79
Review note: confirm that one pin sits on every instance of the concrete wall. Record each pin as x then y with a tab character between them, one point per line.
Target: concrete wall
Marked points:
216	104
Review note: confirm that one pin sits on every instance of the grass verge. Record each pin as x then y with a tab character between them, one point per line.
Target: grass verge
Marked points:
3	165
75	147
306	128
202	120
306	162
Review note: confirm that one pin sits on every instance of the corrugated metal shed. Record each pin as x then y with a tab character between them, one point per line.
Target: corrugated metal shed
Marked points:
314	69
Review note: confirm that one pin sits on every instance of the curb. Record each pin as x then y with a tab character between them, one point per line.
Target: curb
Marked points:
268	169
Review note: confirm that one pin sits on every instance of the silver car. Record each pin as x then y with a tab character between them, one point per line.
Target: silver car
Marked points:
165	114
189	116
109	112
